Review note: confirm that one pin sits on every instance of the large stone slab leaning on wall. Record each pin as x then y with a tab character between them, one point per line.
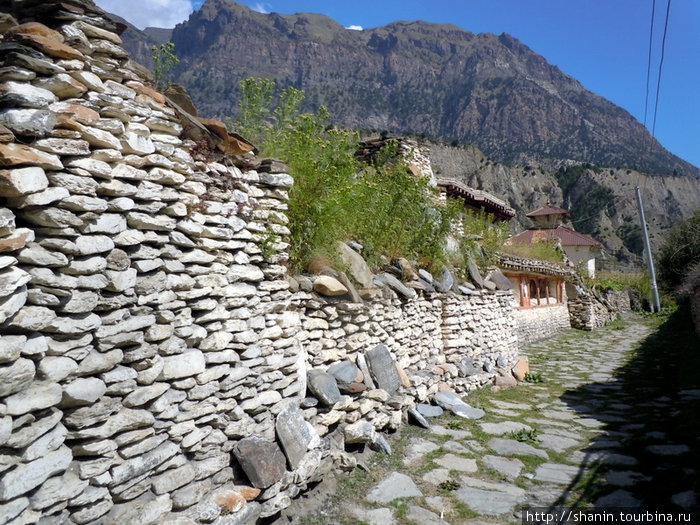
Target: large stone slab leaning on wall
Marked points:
153	361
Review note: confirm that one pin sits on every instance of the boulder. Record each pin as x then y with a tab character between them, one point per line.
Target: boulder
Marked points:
356	265
521	368
326	285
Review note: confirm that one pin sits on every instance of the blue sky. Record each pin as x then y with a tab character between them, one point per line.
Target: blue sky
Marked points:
602	43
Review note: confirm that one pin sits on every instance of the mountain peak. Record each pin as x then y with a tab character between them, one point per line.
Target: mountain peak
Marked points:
413	76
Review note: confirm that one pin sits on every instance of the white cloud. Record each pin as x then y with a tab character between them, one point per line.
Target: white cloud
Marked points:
149	13
354	28
260	8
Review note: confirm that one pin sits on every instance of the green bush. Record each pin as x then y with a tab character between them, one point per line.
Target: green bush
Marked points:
164	60
334	197
680	252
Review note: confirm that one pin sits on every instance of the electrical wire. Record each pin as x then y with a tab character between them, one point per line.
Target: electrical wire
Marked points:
651	34
661	64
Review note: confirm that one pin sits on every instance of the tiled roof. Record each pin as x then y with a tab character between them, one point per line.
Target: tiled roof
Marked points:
477	198
566	236
547	210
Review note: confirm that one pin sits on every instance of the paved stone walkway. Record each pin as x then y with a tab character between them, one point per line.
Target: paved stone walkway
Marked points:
562	441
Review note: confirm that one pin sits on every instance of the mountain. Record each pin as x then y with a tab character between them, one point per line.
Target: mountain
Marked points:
438	80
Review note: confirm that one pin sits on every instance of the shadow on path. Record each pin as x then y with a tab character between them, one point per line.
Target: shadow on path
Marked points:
647	454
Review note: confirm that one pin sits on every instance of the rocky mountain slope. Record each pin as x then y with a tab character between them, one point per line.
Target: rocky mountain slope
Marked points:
438	80
602	201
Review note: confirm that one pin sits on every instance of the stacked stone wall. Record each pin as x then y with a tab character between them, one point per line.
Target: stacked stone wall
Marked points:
588	311
151	352
539	323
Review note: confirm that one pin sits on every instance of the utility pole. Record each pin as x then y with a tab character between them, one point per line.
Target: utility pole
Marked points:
650	260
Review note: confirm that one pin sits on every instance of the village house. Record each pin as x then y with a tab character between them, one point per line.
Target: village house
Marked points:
548	220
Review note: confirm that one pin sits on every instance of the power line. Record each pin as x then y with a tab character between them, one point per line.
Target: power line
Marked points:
651	34
661	64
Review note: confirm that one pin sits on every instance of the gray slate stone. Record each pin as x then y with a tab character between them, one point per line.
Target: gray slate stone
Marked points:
262	461
488	498
382	367
429	410
293	434
556	473
511	447
323	386
28	476
396	285
395	486
452	402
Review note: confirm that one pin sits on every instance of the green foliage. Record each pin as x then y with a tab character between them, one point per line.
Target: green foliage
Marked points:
524	435
680	253
164	61
479	238
543	250
449	485
455	425
254	108
534	378
334	197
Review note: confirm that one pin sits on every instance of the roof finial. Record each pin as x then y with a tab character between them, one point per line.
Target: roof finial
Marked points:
548	203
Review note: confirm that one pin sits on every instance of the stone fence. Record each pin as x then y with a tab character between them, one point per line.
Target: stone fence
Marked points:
154	362
589	310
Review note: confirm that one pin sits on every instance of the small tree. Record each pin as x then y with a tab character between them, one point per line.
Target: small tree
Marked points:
680	252
164	61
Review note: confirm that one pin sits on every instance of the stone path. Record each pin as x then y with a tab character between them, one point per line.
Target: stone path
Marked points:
576	437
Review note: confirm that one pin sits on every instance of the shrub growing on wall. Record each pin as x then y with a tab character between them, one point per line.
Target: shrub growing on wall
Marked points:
390	211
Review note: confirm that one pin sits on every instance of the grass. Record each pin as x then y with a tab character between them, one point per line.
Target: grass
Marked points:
534	378
544	251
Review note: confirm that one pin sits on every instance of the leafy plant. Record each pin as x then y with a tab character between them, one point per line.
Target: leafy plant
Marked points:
164	61
448	485
534	378
392	212
455	425
523	435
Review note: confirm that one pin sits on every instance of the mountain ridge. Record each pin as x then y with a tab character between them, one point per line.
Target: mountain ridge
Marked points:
413	76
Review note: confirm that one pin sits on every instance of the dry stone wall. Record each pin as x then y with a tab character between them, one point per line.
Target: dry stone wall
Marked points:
153	360
589	311
539	323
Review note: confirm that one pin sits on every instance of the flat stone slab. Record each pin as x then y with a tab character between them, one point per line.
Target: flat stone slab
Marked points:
429	410
511	447
509	467
623	478
423	516
452	402
618	498
456	447
396	486
383	368
417	448
509	405
589	422
381	516
436	476
454	462
498	429
556	473
668	450
457	434
488	498
556	442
